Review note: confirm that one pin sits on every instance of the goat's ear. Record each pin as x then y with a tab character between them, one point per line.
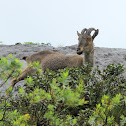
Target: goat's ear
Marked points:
95	33
78	33
24	57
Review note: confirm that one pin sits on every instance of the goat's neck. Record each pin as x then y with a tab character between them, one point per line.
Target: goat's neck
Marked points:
89	58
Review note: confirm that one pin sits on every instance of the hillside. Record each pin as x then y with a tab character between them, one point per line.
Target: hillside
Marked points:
103	56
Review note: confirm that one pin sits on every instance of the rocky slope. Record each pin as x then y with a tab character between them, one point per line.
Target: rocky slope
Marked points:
103	56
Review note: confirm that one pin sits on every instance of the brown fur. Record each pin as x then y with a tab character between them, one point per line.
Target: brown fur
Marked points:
54	60
51	60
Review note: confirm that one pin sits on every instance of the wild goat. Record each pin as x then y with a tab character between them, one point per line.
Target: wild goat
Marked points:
54	60
86	45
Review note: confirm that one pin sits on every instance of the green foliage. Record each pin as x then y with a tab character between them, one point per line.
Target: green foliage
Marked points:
124	57
49	44
71	96
109	111
32	43
9	67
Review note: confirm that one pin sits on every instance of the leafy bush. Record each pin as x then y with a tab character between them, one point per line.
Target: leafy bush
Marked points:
124	57
110	111
9	67
70	96
49	44
32	43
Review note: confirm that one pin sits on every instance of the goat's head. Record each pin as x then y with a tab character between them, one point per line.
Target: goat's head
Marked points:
85	40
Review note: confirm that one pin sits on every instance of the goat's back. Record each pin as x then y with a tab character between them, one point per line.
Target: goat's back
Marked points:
39	56
55	62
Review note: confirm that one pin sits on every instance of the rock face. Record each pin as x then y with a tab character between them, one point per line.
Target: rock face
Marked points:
103	56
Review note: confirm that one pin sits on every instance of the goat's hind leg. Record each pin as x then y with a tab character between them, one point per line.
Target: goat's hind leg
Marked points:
24	74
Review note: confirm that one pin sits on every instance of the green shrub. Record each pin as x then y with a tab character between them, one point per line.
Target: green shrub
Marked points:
71	96
31	43
124	57
49	44
9	67
109	111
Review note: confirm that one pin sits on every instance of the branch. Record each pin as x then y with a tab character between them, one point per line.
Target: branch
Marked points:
7	79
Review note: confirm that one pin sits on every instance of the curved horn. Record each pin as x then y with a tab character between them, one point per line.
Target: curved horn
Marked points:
95	33
82	32
90	30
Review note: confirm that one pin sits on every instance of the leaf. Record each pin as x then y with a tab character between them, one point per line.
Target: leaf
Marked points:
51	107
21	91
37	99
85	102
116	99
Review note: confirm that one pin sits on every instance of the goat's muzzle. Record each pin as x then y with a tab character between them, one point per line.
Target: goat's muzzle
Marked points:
79	52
